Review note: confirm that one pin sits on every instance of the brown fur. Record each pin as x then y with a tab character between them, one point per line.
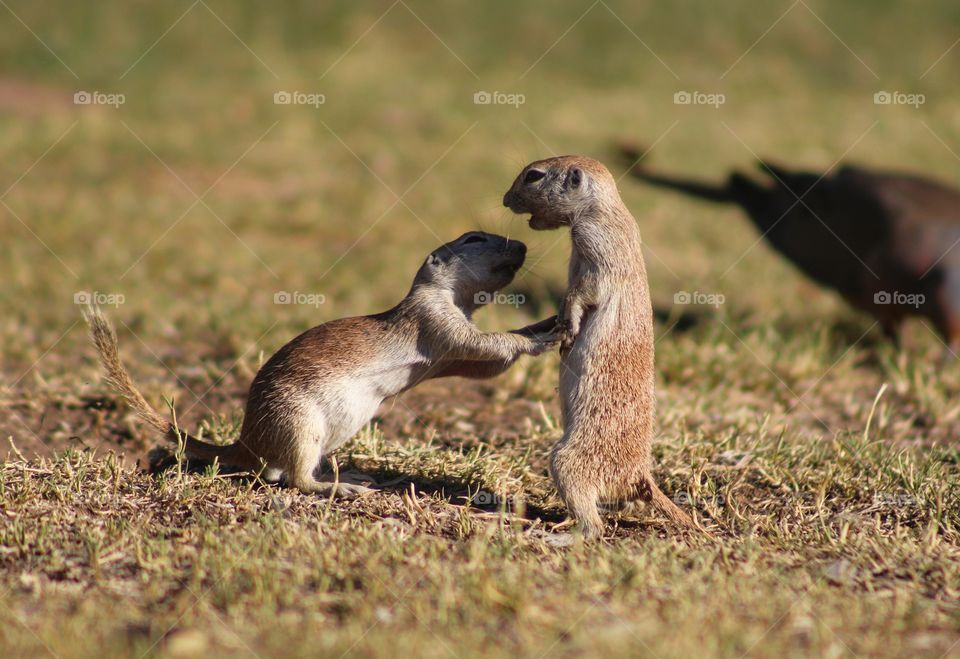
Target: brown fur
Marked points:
324	385
607	373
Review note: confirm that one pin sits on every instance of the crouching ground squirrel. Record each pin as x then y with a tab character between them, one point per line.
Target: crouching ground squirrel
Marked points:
606	376
319	389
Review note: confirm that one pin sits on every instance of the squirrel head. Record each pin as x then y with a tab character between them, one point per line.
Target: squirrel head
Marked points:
473	267
559	191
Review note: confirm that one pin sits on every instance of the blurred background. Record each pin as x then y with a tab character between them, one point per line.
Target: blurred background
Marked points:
186	162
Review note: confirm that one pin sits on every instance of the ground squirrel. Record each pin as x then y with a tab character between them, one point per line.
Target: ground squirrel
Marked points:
607	371
319	389
888	242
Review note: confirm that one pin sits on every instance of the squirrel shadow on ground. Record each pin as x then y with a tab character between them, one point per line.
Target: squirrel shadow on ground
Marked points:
625	519
464	493
161	459
455	491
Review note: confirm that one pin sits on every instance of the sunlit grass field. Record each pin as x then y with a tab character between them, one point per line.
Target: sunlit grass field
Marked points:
188	194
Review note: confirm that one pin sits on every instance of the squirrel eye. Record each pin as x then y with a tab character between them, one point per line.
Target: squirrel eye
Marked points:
474	239
533	175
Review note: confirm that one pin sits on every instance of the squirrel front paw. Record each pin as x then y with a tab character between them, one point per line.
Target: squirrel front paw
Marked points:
567	330
541	343
567	338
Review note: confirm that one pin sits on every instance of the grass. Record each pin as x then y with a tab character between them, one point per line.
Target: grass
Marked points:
824	459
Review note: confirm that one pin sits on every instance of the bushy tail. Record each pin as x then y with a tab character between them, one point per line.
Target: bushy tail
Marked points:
105	340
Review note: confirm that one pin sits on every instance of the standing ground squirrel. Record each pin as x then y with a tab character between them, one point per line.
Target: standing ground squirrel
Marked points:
319	389
607	373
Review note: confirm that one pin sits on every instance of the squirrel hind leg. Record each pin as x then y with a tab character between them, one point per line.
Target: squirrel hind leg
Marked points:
583	504
303	466
302	474
579	495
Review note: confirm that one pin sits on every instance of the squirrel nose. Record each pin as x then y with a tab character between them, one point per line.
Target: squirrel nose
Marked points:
517	245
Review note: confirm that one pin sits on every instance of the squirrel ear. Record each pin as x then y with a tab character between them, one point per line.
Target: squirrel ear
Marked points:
434	260
575	177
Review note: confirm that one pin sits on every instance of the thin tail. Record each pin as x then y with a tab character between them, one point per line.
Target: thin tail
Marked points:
666	505
674	513
105	340
694	188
